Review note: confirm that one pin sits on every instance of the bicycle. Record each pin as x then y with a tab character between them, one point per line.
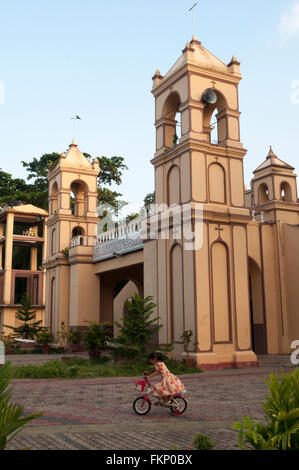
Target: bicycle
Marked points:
143	404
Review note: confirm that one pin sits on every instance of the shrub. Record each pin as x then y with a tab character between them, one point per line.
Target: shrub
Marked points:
95	338
44	337
202	442
74	336
281	412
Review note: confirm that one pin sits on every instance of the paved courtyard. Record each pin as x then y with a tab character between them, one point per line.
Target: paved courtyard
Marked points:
97	414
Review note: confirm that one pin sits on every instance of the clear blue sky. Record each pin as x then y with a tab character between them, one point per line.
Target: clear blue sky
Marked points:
96	58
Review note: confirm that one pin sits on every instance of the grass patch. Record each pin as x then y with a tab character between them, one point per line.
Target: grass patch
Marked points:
36	350
84	368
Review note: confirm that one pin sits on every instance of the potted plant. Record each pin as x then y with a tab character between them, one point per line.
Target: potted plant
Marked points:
95	339
74	338
186	337
45	338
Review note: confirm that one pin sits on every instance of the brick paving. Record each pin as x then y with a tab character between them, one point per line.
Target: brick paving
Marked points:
97	414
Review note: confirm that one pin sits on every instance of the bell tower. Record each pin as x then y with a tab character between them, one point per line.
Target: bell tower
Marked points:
72	226
274	190
205	290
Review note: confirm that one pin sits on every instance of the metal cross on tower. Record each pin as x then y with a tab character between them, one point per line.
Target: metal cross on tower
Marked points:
74	119
192	9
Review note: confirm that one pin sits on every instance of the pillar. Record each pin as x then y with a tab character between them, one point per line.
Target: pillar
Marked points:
1	246
33	259
8	257
44	256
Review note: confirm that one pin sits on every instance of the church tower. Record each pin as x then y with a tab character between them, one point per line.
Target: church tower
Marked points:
273	201
274	190
72	226
205	290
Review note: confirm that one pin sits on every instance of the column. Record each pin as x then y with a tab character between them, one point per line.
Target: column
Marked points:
44	256
33	259
1	246
8	257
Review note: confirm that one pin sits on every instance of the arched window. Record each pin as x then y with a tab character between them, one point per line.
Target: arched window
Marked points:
53	242
172	120
78	232
78	198
215	120
285	192
263	193
54	199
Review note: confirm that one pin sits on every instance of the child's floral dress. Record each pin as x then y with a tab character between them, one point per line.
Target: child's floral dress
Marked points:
169	385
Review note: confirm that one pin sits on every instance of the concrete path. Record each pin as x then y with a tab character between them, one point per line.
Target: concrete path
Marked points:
97	413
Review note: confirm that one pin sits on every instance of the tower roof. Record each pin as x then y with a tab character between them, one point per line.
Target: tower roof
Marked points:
74	157
273	160
200	55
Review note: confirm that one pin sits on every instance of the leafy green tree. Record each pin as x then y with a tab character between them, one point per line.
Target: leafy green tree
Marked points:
11	420
138	329
13	190
132	216
35	189
149	199
29	327
111	198
111	172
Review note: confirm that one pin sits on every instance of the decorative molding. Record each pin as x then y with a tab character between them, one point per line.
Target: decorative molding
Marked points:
118	247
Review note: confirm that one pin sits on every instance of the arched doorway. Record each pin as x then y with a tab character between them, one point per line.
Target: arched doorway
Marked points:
115	282
258	326
123	290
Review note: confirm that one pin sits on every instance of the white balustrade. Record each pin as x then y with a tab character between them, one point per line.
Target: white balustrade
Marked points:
123	239
82	240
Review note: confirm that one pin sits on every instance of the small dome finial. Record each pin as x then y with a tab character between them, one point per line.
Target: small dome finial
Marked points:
271	153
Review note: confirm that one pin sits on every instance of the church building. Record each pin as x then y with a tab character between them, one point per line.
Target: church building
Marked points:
238	292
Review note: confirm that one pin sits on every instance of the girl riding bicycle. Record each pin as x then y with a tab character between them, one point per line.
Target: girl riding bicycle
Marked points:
169	385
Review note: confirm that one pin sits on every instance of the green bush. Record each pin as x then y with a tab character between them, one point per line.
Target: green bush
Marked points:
74	336
202	442
44	337
95	338
281	412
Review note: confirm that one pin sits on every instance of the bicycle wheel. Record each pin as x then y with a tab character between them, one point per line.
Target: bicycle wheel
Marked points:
141	407
182	405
